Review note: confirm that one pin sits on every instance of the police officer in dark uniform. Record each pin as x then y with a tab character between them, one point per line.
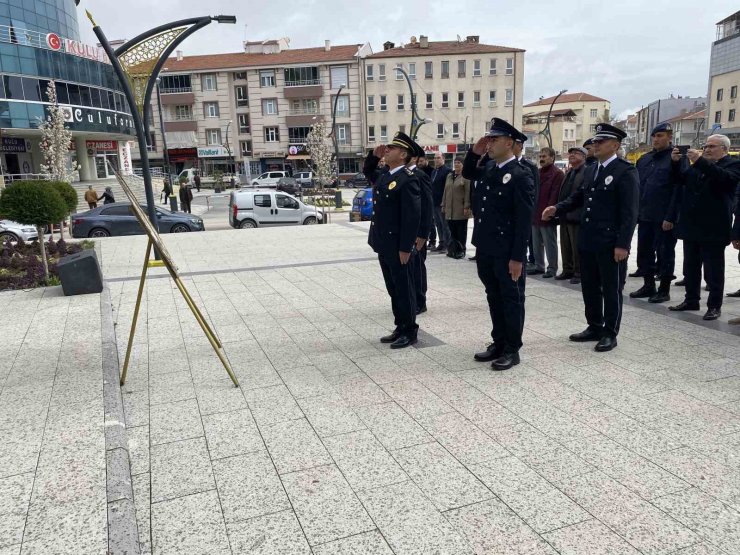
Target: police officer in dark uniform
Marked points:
418	260
610	197
503	211
393	231
372	168
656	242
589	146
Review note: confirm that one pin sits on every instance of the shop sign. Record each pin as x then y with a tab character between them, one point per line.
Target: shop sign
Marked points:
15	144
298	149
77	48
92	119
102	145
183	152
53	41
212	152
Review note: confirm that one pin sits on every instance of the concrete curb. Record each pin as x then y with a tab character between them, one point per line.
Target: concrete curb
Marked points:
123	532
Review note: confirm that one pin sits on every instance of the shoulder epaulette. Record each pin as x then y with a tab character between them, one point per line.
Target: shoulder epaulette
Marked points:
410	172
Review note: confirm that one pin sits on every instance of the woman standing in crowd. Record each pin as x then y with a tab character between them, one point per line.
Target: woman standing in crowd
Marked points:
456	209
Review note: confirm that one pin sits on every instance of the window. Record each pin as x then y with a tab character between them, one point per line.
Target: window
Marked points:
371	134
338	76
175	84
210	109
594	113
183	112
343	134
428	70
733	91
412	70
399	75
445	100
383	133
429	105
245	147
476	68
283	201
455	130
208	82
461	99
369	72
720	94
509	66
440	130
213	137
492	67
240	92
399	102
240	75
263	201
476	99
267	78
117	211
298	134
381	72
731	115
383	104
304	106
269	106
592	128
301	76
509	97
461	68
491	98
342	105
445	70
371	103
243	120
272	135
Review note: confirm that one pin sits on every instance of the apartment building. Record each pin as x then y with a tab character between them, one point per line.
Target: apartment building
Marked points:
589	111
665	109
689	129
251	111
724	79
458	86
562	131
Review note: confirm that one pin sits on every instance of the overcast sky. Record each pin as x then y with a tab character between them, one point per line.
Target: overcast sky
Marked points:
631	53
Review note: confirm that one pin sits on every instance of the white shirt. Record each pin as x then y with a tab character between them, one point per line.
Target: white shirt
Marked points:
412	167
396	169
502	164
605	163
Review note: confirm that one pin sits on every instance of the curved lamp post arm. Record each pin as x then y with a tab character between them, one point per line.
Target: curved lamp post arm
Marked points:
334	128
546	130
416	120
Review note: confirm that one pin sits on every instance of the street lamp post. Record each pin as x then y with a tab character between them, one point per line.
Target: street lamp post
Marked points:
416	120
228	146
465	131
165	151
546	130
334	128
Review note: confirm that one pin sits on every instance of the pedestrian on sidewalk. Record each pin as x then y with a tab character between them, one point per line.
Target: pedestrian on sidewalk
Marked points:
107	196
569	223
439	230
91	197
166	190
456	209
196	179
545	233
186	197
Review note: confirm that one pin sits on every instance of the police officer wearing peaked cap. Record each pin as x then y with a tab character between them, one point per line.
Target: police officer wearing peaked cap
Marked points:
418	260
393	233
588	144
610	197
503	216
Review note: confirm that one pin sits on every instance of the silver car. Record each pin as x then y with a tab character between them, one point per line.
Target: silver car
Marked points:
249	209
10	230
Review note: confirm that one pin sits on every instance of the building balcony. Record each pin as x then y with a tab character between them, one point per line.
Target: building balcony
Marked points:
303	82
175	90
181	125
303	91
303	120
179	98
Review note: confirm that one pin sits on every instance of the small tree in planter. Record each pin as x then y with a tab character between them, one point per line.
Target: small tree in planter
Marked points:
33	203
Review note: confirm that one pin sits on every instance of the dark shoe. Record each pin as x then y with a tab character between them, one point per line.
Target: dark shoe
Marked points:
660	297
430	245
735	294
643	292
534	272
575	280
440	248
403	341
638	273
605	344
530	266
684	306
563	276
706	288
681	282
505	361
734	321
473	258
492	352
422	309
548	274
391	338
586	335
712	314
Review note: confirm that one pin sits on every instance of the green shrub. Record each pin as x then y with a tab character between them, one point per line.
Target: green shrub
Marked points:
68	194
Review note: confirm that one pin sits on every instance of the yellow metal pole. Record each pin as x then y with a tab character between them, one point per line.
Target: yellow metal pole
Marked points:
212	339
136	313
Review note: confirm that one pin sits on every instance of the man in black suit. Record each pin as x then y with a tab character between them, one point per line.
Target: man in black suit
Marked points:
439	179
609	196
418	260
531	166
393	231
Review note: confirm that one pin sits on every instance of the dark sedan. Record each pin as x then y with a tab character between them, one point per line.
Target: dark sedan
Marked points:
358	180
117	219
288	185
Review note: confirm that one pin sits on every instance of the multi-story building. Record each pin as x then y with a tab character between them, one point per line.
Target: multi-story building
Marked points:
251	111
562	129
39	43
689	129
458	85
589	111
662	110
724	80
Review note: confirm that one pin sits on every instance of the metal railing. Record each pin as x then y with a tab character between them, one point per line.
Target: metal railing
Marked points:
303	112
303	82
175	90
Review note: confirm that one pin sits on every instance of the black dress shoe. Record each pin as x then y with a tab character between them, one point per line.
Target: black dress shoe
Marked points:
712	314
473	258
735	294
505	361
391	338
422	309
643	292
638	273
660	297
403	341
430	245
706	288
684	306
606	343
548	274
563	276
586	335
440	248
575	280
534	272
681	282
492	352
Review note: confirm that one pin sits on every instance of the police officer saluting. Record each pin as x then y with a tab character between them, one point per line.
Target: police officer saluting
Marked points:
418	260
393	234
610	196
503	213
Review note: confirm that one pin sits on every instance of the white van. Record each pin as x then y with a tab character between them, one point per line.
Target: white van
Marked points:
249	209
268	179
189	174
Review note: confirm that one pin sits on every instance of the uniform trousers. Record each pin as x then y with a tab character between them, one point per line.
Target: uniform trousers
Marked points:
602	282
400	286
712	256
569	248
656	250
505	300
418	264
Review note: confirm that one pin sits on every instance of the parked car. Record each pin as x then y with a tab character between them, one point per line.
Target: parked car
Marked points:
288	185
118	219
268	179
362	206
249	209
12	231
304	179
357	180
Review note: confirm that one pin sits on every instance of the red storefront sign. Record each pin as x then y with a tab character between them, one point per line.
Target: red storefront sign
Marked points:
182	154
102	145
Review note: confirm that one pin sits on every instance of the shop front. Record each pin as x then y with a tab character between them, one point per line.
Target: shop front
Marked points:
17	156
215	158
298	158
182	159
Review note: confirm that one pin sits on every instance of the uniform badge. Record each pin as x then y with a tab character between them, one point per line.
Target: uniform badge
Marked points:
392	186
608	179
506	178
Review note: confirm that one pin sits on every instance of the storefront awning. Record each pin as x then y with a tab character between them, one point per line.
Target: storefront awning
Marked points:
181	139
298	157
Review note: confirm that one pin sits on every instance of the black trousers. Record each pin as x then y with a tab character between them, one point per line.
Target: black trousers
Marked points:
530	248
505	301
602	282
656	251
418	264
400	286
712	256
185	206
459	231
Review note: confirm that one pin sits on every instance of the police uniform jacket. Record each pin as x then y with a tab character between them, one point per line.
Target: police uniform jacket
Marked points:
396	212
370	168
504	206
736	227
425	193
704	199
657	185
610	206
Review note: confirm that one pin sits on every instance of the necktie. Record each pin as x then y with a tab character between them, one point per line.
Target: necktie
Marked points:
596	175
